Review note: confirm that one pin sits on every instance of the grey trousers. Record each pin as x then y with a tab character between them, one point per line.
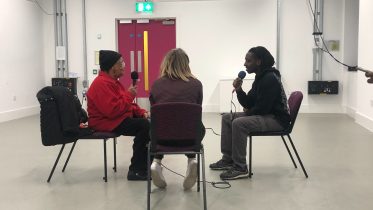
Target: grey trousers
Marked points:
234	133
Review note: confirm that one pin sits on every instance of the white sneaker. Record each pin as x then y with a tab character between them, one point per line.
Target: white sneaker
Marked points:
157	176
191	174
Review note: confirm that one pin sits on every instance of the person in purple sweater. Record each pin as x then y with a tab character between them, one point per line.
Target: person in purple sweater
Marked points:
176	84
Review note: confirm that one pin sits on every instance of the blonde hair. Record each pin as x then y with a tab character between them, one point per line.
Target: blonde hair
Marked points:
175	65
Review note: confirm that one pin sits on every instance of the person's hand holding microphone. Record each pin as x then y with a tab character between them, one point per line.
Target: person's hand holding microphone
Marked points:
369	74
133	88
237	83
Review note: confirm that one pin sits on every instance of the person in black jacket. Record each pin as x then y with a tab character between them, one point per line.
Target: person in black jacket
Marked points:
265	109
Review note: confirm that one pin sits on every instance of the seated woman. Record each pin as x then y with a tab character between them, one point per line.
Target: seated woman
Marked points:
111	109
176	84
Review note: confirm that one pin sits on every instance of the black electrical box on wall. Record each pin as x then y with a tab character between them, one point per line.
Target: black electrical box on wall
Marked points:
70	83
323	87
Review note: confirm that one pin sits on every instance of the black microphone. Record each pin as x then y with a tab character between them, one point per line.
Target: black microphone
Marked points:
134	77
241	75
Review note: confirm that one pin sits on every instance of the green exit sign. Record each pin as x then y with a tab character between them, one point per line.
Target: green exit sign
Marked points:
144	7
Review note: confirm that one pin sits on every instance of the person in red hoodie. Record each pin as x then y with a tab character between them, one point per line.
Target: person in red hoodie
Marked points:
111	109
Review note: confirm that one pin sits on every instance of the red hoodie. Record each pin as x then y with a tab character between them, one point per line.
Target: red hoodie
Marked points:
109	104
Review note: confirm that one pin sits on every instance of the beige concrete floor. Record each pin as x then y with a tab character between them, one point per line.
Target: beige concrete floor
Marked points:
336	152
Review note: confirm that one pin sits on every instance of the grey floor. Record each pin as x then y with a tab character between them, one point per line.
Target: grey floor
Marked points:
337	154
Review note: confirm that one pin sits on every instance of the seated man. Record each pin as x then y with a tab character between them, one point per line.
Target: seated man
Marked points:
111	109
265	109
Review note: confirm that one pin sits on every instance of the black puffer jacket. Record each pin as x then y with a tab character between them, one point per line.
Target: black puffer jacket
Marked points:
267	96
60	116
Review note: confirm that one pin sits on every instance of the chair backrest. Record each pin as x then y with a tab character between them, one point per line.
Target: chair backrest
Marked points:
59	116
175	122
295	100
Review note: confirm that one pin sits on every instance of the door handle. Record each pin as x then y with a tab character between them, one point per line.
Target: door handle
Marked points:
132	61
139	61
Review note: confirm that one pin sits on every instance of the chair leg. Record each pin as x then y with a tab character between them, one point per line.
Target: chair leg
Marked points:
198	171
296	153
204	179
148	176
105	162
55	163
287	148
68	157
115	154
250	156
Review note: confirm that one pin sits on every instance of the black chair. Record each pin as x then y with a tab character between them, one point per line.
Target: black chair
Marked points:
295	100
60	116
174	122
94	136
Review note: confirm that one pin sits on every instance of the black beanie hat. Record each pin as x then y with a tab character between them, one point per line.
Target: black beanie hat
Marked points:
108	58
264	55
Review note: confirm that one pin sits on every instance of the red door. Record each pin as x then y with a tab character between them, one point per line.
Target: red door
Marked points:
143	44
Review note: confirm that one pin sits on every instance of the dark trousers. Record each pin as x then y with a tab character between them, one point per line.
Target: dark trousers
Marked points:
183	144
138	127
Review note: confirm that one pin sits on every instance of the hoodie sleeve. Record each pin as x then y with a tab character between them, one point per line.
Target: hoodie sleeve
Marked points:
266	94
246	100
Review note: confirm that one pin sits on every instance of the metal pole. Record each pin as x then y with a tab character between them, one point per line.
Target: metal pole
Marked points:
66	36
85	82
278	47
321	27
55	37
318	31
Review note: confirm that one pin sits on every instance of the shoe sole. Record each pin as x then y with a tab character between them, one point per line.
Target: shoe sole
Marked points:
222	168
191	180
242	176
157	179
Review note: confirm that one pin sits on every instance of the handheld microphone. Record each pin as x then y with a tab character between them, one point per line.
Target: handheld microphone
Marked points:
241	75
134	77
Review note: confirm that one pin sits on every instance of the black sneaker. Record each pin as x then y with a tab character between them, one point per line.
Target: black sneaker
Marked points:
137	175
221	165
235	173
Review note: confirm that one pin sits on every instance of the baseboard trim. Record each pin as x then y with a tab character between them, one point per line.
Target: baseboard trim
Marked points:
210	108
351	112
19	113
324	108
364	121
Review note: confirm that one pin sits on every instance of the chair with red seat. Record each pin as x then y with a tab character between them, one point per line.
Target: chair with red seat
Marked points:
295	100
177	122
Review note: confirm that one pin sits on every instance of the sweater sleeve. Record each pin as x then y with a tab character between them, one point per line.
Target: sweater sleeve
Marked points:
109	101
267	91
138	111
200	94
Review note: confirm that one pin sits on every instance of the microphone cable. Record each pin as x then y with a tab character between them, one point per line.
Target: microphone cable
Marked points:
212	131
319	33
219	185
235	109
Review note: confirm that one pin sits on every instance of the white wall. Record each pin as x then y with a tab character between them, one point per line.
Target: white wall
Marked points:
215	34
296	53
350	54
229	29
21	58
364	93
